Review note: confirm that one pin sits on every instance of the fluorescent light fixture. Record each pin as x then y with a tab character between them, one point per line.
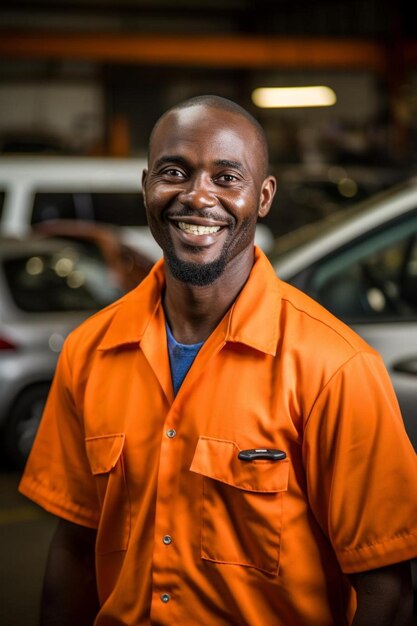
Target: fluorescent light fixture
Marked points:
293	97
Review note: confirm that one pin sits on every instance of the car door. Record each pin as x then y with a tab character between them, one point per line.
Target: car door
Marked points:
371	284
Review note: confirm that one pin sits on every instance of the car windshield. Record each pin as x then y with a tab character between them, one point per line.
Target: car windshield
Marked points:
297	238
65	280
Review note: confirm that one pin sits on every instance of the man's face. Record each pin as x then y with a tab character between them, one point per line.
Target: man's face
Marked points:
204	190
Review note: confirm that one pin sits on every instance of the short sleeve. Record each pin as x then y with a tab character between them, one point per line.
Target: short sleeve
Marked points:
58	476
361	468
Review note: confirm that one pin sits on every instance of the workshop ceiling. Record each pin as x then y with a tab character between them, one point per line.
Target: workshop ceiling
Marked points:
356	18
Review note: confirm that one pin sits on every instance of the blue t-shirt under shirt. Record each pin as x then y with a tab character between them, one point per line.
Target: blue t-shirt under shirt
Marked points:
181	357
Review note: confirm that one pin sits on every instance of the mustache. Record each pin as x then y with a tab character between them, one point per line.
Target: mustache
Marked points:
204	213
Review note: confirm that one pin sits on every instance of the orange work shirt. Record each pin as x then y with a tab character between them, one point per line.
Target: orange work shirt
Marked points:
188	533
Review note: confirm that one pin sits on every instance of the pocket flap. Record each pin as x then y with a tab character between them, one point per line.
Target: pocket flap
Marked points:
104	451
218	459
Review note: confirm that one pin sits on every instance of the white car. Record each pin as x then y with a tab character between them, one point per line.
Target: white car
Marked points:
47	287
361	264
105	190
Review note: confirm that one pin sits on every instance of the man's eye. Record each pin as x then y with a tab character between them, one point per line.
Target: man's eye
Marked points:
227	178
172	171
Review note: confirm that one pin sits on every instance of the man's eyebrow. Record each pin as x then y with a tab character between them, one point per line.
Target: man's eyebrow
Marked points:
227	163
180	160
171	158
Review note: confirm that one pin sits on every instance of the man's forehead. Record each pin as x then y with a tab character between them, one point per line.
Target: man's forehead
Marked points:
180	125
194	117
193	114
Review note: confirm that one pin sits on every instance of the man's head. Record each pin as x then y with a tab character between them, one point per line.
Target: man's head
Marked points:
206	186
221	104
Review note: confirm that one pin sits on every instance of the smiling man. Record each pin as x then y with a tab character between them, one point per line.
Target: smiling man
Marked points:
220	450
205	188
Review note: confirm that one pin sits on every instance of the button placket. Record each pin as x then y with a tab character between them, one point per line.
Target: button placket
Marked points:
165	569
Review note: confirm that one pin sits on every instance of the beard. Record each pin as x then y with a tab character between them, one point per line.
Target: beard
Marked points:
196	274
203	274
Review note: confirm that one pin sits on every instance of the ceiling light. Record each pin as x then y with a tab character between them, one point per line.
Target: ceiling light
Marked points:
293	97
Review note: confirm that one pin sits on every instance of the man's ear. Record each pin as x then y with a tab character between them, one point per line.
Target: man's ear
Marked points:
268	190
144	176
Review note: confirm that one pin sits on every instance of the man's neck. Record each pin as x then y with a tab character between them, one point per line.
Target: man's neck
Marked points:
194	312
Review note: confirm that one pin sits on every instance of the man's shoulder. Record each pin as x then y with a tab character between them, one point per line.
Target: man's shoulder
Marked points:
315	325
121	320
95	327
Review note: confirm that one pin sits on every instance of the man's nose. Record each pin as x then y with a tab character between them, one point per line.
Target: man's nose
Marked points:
198	193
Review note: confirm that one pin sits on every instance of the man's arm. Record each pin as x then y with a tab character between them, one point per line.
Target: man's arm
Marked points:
384	596
70	593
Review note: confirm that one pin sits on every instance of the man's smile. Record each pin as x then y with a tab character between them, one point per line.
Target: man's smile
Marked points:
195	229
197	226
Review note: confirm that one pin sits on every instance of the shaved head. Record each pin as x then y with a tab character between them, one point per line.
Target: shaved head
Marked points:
205	188
222	104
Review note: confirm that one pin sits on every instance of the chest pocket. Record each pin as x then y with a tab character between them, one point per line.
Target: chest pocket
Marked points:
242	505
105	455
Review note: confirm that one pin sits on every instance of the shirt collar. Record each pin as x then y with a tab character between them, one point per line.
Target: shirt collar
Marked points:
252	320
135	310
254	316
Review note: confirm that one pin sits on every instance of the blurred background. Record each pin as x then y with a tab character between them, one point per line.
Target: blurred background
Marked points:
90	77
82	83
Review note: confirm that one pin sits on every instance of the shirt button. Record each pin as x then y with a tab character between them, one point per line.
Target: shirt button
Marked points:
171	433
165	597
167	540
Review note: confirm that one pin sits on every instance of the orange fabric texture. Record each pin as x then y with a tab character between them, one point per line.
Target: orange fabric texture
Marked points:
188	533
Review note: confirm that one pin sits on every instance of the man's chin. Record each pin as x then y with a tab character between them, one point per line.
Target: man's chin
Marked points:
196	274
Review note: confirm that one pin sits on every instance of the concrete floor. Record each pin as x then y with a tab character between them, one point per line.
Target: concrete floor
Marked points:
25	533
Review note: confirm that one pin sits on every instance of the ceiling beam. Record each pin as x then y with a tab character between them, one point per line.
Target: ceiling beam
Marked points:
228	51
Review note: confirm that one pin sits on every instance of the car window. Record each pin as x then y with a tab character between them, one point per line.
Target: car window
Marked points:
121	208
66	280
53	206
373	279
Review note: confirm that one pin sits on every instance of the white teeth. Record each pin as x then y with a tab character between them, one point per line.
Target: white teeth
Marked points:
198	230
